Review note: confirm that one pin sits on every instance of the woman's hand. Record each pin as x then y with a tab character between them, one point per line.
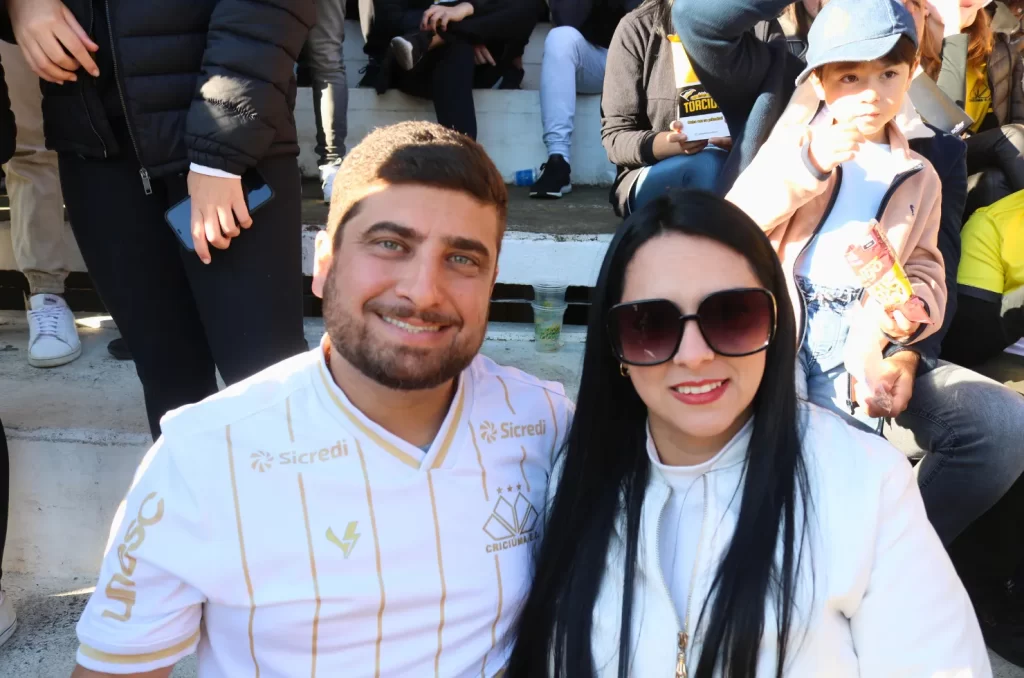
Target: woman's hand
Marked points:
54	43
673	142
218	209
437	17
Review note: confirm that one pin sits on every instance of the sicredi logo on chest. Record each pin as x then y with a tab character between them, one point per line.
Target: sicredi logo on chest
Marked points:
262	461
490	431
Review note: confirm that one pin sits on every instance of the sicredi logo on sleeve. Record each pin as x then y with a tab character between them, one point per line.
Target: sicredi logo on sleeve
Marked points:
697	109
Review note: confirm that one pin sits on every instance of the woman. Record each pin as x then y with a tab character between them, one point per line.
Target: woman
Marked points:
741	533
156	102
640	125
982	71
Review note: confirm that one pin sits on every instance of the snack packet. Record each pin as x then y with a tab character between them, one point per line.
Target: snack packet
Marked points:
879	270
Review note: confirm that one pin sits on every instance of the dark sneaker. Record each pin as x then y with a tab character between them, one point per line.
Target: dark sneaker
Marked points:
370	73
409	49
118	349
512	78
553	182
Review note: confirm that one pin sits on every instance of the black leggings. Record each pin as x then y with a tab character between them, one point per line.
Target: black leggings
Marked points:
995	161
448	74
182	319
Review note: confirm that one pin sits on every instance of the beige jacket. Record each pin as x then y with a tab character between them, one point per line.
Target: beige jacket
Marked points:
790	202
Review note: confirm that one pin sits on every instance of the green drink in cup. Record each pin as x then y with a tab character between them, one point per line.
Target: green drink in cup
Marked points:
547	326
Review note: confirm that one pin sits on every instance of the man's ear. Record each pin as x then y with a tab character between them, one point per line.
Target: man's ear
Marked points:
819	88
323	256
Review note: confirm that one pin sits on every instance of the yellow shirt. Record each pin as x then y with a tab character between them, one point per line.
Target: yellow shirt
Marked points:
992	263
979	95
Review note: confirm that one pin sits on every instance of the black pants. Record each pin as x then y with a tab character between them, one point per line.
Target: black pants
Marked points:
448	74
995	161
181	319
5	493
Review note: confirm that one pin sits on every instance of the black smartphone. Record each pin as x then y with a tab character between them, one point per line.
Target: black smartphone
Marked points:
257	194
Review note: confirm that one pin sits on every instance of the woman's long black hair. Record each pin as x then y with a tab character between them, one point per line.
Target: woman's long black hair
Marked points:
606	470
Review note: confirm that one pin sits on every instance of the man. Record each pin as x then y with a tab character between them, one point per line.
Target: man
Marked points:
37	221
365	509
330	88
964	429
575	52
442	51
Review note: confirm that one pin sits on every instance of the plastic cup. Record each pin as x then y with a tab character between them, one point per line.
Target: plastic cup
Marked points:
547	326
549	294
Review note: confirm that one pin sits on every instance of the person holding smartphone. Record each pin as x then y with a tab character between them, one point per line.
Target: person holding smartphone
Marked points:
147	104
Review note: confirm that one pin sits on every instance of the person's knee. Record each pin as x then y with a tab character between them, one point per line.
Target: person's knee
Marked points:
1014	134
563	44
325	53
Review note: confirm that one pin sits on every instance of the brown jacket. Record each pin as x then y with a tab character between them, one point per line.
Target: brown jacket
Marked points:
780	192
1006	78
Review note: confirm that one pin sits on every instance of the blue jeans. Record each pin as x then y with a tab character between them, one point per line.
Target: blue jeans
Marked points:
699	171
967	433
826	328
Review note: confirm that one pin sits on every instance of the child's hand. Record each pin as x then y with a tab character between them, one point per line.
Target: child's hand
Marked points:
832	146
893	323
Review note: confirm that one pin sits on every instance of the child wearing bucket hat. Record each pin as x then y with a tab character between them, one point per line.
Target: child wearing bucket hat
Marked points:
832	174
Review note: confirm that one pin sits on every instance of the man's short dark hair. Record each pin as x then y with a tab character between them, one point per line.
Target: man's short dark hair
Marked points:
421	153
905	52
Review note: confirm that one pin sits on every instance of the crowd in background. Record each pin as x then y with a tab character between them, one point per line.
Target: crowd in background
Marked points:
126	124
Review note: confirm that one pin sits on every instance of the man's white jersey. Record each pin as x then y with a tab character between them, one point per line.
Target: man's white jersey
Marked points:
285	534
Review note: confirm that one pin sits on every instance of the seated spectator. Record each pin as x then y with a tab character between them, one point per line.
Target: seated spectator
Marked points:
990	284
575	52
700	517
829	170
640	125
982	71
443	51
961	428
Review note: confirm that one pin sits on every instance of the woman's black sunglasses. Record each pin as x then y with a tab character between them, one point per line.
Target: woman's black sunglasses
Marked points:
734	323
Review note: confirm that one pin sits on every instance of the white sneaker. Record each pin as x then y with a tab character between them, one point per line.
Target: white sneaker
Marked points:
8	620
327	174
52	337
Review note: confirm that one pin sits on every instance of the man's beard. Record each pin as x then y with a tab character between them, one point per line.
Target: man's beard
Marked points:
392	365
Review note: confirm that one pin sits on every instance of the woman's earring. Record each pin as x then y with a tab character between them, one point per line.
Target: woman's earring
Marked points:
623	370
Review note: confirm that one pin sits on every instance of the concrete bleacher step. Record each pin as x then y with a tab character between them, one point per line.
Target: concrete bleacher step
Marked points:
509	121
566	238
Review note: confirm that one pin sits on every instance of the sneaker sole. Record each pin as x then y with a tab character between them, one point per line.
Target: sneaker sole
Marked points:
6	634
403	53
551	195
55	362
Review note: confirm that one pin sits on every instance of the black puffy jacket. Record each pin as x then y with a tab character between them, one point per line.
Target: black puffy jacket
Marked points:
204	81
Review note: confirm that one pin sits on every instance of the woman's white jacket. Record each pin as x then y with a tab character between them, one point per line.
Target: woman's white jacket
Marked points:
877	595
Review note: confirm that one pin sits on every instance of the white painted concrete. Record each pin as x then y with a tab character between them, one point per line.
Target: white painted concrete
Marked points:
508	126
509	121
